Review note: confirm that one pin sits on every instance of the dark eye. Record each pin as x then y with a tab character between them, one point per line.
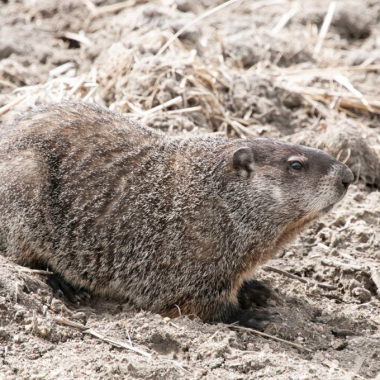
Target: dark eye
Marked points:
296	165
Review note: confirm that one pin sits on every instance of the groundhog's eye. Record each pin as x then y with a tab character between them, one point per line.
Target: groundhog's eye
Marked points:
296	165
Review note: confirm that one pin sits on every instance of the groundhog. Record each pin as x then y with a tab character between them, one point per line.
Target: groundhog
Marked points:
174	224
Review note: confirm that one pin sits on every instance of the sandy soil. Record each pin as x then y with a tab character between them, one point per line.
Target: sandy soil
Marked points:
245	71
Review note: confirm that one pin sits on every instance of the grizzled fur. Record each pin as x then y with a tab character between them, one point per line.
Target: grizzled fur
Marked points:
125	211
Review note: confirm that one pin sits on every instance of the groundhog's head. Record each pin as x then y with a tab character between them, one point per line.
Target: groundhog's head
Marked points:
293	180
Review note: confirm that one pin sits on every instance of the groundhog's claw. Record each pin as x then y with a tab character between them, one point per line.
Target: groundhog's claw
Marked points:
254	292
250	318
62	288
255	320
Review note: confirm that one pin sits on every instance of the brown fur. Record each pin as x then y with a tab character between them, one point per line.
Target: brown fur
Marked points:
167	222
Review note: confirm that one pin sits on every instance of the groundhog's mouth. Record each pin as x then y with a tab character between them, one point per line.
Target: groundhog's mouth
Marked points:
331	206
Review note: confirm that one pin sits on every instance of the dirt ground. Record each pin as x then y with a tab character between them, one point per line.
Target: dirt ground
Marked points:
252	69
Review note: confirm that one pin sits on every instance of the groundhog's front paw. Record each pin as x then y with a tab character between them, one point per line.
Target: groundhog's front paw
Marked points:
254	319
254	292
62	288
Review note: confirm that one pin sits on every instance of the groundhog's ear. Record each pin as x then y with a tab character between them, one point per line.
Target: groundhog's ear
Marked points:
242	161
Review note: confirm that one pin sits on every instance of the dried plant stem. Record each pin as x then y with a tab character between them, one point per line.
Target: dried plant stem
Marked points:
327	71
77	86
185	110
341	79
346	100
269	336
116	343
301	279
11	104
8	84
78	37
114	7
86	330
325	27
169	103
285	19
210	12
339	264
67	322
113	342
35	271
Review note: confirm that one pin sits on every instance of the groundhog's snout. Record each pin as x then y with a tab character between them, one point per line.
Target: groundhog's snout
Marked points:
346	177
341	177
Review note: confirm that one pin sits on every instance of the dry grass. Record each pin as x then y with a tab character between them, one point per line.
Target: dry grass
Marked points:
201	86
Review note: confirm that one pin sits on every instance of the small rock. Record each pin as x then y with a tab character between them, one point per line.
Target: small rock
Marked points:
339	346
20	315
43	331
353	20
319	357
3	334
354	284
266	347
342	333
7	50
80	316
203	371
56	305
184	5
363	295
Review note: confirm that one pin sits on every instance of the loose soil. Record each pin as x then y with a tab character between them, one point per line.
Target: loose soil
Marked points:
241	72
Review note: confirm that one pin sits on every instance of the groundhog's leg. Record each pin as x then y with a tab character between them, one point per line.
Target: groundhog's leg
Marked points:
25	201
22	206
254	292
251	292
210	306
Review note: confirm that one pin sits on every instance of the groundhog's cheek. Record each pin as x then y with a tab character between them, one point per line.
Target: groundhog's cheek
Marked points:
328	191
277	194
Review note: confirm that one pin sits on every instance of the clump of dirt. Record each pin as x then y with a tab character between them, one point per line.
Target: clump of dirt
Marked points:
246	48
345	142
352	19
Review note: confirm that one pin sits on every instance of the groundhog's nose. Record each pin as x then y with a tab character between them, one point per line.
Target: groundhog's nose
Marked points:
347	177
